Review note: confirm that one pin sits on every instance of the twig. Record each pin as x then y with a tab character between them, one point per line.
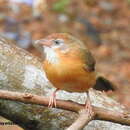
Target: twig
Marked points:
101	113
84	118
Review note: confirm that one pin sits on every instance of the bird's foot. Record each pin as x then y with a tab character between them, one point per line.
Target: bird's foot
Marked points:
52	100
88	107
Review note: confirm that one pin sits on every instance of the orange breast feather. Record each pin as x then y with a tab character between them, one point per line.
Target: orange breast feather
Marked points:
69	74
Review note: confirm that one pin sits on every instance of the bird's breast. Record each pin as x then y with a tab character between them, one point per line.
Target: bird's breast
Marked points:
70	75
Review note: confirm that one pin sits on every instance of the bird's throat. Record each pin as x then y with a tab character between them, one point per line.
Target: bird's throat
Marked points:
51	55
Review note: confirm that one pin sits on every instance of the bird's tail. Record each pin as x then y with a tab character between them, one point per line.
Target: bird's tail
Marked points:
104	84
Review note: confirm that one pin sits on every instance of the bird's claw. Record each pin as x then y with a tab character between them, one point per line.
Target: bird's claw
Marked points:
52	101
88	107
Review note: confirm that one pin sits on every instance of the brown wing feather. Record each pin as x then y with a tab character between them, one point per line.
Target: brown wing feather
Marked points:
88	60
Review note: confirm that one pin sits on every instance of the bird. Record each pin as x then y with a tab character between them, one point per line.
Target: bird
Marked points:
70	66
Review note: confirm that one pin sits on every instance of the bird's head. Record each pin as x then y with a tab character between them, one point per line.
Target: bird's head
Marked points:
57	43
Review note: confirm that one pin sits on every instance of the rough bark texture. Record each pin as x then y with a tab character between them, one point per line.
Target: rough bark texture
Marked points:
21	71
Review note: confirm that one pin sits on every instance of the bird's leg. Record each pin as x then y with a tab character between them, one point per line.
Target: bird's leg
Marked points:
52	100
88	104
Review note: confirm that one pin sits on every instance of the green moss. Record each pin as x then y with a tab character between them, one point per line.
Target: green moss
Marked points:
128	1
60	5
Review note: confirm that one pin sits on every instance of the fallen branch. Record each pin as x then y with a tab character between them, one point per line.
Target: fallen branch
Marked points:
121	115
84	118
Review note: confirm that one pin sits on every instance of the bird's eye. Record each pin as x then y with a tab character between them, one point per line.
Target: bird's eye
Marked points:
57	42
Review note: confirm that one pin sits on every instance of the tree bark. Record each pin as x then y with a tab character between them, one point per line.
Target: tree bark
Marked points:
110	109
22	72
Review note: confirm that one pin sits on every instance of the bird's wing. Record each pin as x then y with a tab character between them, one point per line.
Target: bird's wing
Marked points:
88	60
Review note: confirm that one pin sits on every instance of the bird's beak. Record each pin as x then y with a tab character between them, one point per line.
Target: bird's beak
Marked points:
43	42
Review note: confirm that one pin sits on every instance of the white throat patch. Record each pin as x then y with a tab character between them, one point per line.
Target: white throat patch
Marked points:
51	55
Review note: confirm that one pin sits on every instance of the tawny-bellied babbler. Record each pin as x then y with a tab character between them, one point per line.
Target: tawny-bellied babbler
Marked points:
69	65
